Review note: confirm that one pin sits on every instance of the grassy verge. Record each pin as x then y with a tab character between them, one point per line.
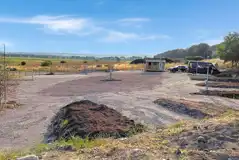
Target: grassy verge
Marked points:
164	143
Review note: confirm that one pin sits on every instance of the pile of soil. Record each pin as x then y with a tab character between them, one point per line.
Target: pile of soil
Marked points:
87	119
227	94
220	84
216	139
198	110
229	73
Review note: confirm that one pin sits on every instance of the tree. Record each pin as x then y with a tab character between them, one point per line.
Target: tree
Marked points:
46	63
229	49
117	59
62	62
23	63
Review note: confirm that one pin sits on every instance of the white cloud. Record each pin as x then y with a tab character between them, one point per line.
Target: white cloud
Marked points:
136	22
133	20
65	24
116	36
210	41
58	24
154	37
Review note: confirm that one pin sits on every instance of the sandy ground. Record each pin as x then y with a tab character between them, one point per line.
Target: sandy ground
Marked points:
133	97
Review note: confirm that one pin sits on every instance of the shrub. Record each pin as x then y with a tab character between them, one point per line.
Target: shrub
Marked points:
23	63
12	69
195	58
85	62
62	62
46	63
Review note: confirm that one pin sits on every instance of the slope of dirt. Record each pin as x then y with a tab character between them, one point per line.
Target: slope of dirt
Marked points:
211	139
215	138
228	94
220	84
87	119
197	110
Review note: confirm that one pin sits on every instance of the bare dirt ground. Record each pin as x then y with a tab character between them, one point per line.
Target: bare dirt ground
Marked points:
133	97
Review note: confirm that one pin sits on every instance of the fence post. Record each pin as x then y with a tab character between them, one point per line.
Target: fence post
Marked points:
32	73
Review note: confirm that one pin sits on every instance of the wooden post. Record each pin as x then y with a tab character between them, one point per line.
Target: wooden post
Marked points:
207	79
32	73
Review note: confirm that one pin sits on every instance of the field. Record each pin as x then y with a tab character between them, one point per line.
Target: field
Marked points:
163	102
133	96
70	65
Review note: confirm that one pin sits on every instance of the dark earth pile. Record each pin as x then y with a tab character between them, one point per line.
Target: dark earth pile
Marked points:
227	94
87	119
181	108
220	84
193	109
214	140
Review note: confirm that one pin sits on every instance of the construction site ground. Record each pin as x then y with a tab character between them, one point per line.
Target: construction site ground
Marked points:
133	96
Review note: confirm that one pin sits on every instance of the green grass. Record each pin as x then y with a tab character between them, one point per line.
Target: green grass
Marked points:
174	129
75	142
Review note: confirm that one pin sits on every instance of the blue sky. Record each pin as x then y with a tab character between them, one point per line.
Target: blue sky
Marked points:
114	27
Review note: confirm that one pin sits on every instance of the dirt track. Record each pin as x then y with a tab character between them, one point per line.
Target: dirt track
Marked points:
133	97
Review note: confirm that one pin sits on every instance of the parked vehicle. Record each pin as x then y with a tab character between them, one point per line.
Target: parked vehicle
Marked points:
201	67
178	68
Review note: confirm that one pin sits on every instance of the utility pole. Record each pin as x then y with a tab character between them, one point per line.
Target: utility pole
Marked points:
4	73
206	83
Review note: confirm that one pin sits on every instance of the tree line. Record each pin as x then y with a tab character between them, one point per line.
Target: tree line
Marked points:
200	50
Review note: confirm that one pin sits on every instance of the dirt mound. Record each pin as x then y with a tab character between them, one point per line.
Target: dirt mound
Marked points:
220	84
87	119
227	94
216	139
193	109
229	73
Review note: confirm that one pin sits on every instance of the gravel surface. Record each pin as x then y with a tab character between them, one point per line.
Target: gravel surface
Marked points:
133	97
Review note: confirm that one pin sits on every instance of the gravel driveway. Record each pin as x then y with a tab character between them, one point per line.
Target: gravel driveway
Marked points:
133	97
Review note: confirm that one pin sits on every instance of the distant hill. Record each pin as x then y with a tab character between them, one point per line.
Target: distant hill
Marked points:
68	56
202	49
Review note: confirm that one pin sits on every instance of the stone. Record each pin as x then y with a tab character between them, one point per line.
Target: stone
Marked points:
178	152
226	138
202	143
66	148
221	156
28	157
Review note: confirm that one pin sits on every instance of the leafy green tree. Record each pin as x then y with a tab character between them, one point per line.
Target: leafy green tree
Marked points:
117	59
229	49
23	63
62	62
46	63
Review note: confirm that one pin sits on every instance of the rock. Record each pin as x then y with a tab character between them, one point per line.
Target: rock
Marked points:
183	142
178	152
28	157
202	143
225	138
66	148
221	156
